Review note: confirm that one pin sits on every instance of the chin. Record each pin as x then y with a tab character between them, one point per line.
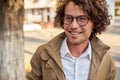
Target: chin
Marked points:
74	42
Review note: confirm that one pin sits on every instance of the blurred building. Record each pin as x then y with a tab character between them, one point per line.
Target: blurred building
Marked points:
114	10
40	10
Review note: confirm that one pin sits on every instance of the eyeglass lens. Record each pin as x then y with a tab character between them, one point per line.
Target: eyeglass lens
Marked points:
81	20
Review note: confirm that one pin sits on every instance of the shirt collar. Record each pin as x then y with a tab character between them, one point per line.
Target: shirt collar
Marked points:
64	50
88	52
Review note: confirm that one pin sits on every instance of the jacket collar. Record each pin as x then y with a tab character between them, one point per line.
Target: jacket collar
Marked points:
99	47
53	48
98	51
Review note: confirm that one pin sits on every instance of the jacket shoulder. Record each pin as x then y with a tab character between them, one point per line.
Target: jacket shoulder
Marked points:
40	48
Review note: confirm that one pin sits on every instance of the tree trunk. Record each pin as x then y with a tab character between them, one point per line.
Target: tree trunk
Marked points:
11	40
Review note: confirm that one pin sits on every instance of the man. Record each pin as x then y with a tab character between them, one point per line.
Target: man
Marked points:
76	54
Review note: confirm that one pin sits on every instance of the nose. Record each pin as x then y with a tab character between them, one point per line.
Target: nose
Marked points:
74	23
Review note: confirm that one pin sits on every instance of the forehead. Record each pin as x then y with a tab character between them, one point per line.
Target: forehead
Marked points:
73	9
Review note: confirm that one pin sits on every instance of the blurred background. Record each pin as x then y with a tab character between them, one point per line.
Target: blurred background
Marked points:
43	11
39	22
27	24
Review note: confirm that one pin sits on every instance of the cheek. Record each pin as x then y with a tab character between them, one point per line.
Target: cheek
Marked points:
65	27
89	28
89	31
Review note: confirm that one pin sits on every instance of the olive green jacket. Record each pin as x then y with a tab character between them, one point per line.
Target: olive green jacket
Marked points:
46	62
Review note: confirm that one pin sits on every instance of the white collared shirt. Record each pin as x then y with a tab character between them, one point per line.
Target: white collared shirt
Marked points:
75	68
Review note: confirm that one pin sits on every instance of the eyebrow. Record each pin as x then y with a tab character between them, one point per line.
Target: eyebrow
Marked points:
76	16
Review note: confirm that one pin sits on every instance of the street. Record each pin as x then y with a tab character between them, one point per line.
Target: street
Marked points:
34	39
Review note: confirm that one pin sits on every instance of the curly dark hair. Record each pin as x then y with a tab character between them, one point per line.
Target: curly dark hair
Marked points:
96	10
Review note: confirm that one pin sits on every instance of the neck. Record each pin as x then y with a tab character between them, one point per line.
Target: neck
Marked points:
77	50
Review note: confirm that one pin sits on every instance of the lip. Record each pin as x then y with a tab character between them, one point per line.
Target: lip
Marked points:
74	33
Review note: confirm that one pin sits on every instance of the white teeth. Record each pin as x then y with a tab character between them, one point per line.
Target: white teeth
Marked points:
75	33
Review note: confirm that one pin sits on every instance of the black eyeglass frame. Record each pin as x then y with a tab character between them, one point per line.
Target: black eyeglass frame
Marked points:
84	17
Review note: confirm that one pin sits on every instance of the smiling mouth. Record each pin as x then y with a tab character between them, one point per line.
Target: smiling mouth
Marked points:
74	33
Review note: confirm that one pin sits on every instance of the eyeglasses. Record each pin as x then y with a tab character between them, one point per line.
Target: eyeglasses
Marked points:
81	20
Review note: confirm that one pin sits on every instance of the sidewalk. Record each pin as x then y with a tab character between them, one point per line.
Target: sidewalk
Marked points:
34	39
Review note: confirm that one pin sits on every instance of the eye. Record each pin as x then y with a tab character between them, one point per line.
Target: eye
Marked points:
82	18
68	18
